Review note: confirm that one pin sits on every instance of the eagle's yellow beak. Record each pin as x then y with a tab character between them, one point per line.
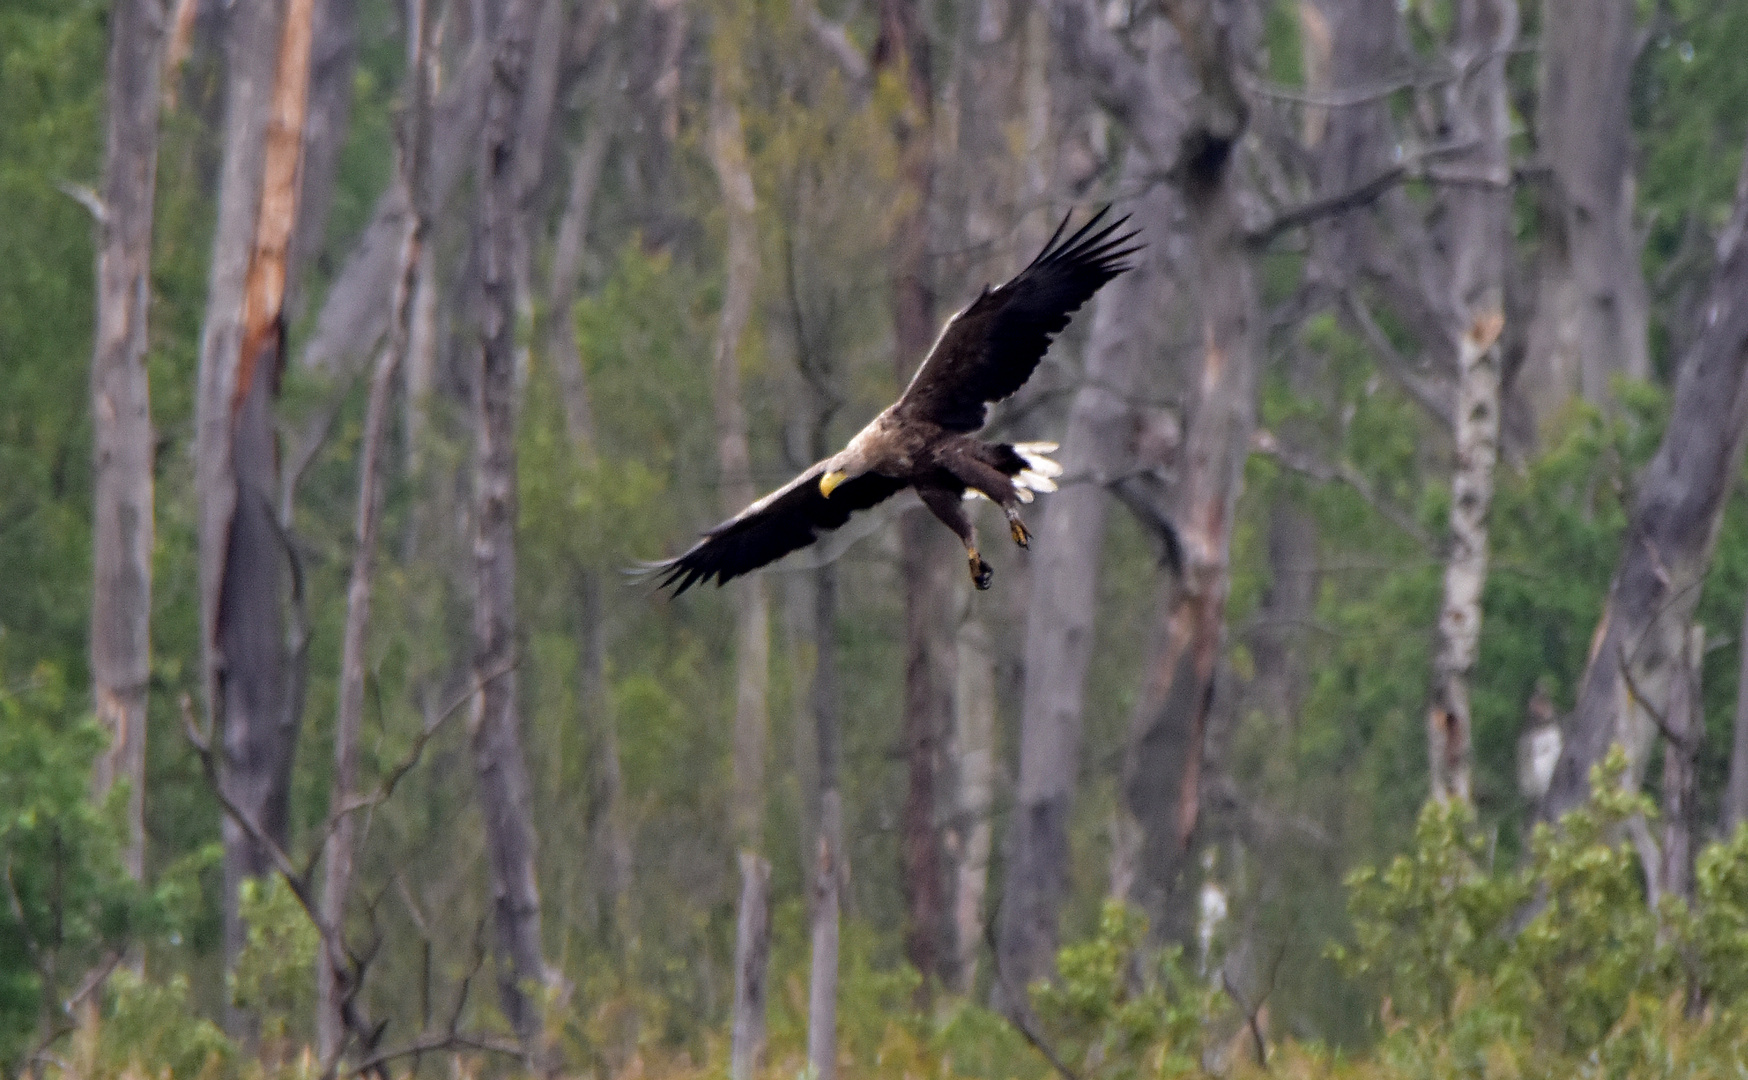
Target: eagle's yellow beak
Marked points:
830	481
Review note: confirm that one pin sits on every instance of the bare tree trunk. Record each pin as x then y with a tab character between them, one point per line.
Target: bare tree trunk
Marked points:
1480	238
121	599
1163	763
973	762
830	870
334	974
1592	315
1670	538
242	551
1097	449
1736	789
506	801
728	155
927	562
1686	728
752	953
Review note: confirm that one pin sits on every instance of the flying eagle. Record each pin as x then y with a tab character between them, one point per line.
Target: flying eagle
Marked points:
926	438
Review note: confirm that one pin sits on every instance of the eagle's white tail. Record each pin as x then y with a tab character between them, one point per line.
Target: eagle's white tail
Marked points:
1040	470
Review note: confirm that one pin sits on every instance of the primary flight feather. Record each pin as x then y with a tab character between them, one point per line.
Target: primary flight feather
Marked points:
926	438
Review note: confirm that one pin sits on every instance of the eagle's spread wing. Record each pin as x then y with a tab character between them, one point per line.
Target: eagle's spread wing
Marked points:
990	349
786	520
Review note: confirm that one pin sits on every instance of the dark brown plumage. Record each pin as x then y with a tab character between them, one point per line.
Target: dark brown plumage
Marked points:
924	440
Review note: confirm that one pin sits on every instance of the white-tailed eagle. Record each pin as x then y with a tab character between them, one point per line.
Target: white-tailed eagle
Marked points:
926	439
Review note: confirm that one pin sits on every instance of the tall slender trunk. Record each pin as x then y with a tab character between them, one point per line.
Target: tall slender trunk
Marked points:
335	988
927	562
1592	313
121	599
1060	622
242	347
1480	240
830	870
728	155
970	829
1671	535
506	801
752	953
1162	771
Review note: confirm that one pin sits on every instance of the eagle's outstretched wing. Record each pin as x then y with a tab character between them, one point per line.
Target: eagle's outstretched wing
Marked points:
786	520
990	349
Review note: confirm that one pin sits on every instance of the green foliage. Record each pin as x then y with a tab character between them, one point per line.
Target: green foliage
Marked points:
1588	972
272	978
1121	1009
67	899
153	1028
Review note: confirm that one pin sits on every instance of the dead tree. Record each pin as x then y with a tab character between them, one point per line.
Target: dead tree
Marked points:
728	155
1162	772
1098	450
1635	657
928	561
121	599
243	554
495	736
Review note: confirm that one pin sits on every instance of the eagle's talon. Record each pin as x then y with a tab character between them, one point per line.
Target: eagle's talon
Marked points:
980	572
1022	536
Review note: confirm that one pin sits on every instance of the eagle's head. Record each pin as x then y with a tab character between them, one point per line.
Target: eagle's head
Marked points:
850	462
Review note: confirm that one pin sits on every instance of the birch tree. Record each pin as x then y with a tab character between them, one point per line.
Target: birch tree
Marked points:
1479	240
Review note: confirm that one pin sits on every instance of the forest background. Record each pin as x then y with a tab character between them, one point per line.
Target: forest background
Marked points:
1403	481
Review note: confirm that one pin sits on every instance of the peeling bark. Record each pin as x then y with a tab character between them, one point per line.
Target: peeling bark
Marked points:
1162	773
121	599
243	552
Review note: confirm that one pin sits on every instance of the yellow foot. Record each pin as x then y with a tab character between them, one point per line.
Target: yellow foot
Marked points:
1021	535
980	571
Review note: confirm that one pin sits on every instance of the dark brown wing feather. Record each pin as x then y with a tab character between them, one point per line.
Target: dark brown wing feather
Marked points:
786	520
990	349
